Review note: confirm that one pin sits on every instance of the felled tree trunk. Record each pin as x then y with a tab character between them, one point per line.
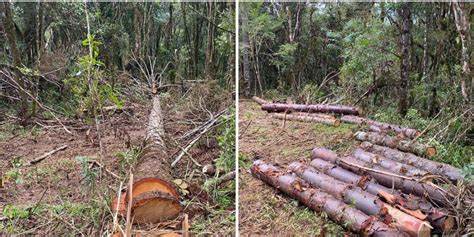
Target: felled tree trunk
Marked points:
405	185
259	100
396	142
153	198
332	122
364	201
407	132
438	218
407	158
316	108
395	167
320	115
320	201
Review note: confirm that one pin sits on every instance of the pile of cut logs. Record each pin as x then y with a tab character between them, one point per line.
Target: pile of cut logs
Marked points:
384	187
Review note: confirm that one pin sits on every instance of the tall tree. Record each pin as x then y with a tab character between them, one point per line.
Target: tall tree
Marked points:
16	58
405	36
463	25
245	50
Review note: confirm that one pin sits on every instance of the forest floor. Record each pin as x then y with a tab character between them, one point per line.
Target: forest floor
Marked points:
262	209
52	196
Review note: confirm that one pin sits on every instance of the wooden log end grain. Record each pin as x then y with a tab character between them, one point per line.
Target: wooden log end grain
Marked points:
155	207
430	152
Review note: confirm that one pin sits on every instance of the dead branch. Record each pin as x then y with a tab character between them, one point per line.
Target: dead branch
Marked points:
38	159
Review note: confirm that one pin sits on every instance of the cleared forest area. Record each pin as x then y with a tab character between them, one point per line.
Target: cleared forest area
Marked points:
361	114
117	119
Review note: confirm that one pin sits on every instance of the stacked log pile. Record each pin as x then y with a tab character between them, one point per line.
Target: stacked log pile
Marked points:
394	195
385	183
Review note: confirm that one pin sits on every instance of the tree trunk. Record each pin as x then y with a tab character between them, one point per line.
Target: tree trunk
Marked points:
438	218
338	109
366	202
463	25
396	142
319	115
405	16
320	201
309	119
9	26
393	166
245	51
211	33
407	132
154	154
433	167
406	186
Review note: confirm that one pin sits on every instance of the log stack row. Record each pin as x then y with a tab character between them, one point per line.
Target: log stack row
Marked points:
379	195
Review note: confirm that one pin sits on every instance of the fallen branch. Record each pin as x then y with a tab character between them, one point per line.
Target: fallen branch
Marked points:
314	108
259	100
205	129
38	159
407	132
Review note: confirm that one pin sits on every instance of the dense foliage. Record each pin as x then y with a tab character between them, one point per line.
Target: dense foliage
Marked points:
402	63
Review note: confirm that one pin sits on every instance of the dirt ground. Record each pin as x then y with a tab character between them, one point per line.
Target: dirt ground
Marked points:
50	196
263	210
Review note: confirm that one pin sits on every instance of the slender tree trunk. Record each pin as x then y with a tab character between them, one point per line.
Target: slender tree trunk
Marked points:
405	16
245	50
15	53
461	16
211	33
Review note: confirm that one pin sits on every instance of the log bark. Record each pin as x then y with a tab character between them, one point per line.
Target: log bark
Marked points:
437	217
433	167
407	132
309	119
395	167
316	108
320	115
259	100
320	201
396	142
405	185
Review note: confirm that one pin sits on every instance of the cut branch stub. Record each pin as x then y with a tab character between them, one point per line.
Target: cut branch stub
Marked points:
396	142
328	121
407	158
364	201
316	108
319	201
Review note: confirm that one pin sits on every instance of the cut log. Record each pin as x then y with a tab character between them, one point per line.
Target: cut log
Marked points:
407	158
405	185
407	132
332	122
364	201
321	115
316	108
395	167
259	100
319	201
154	207
438	218
396	142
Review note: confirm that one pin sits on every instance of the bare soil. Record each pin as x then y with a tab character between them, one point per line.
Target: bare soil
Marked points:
263	210
57	181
